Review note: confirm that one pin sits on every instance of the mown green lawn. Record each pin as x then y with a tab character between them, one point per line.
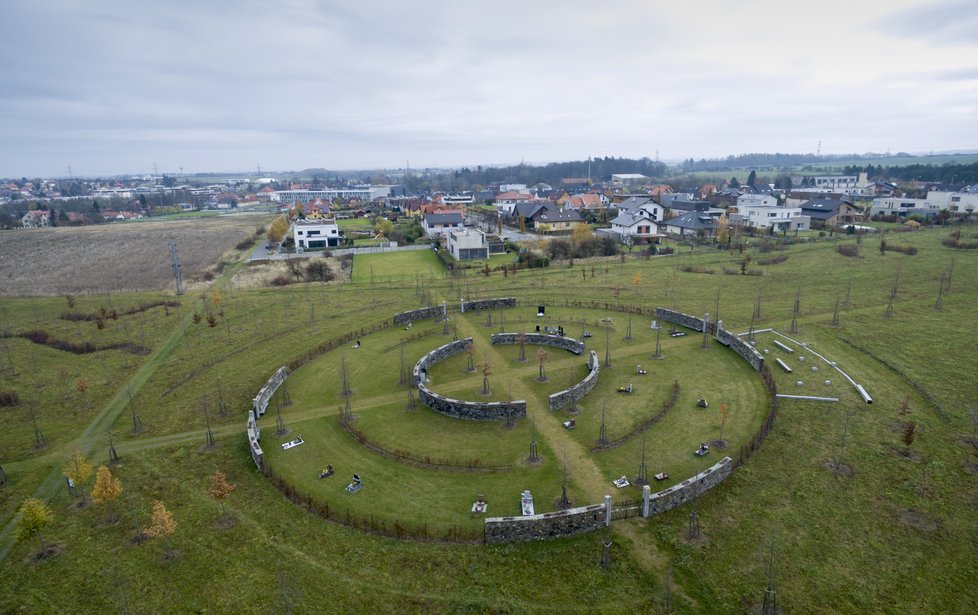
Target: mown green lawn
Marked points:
396	266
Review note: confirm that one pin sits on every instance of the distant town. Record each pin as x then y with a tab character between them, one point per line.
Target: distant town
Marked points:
630	207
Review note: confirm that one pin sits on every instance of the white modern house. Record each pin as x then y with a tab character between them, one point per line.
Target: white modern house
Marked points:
365	193
768	216
468	244
442	223
903	206
757	200
955	202
316	234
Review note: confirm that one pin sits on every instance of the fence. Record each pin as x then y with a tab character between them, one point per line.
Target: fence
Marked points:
471	465
367	523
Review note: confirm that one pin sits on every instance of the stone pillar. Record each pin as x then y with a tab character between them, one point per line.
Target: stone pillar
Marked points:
646	496
719	328
607	511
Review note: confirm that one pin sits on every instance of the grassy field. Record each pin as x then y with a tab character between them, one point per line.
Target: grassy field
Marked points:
891	531
396	266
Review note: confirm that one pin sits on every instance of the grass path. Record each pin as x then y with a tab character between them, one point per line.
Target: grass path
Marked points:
580	465
107	417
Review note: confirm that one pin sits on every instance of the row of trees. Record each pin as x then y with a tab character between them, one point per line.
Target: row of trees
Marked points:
599	169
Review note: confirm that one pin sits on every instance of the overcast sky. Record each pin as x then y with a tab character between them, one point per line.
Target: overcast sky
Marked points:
114	86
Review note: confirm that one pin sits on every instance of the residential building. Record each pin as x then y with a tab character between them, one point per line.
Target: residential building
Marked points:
553	221
36	218
830	212
965	201
757	200
506	202
767	216
635	228
641	206
458	199
316	234
441	224
365	193
627	178
468	244
695	223
902	206
589	201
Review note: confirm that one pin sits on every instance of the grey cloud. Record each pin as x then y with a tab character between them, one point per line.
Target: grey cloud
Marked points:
947	22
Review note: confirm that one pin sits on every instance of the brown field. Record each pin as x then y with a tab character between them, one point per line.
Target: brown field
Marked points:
116	257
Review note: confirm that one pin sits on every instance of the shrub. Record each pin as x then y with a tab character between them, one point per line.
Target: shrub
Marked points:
244	244
848	250
8	399
960	245
693	269
908	250
281	280
774	260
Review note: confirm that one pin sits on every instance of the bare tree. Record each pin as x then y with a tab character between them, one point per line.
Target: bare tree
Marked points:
542	356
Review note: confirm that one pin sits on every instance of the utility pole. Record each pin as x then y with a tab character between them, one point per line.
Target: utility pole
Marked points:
176	267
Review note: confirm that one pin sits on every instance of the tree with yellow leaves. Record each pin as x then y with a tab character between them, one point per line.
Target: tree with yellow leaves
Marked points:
723	230
220	488
278	229
33	517
77	470
582	234
162	525
107	488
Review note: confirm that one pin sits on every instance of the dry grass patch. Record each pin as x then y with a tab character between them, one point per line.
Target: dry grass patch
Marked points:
114	257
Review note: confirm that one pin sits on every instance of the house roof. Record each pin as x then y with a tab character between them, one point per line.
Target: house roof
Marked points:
823	209
693	221
319	222
512	195
443	218
528	210
632	203
629	219
564	215
585	200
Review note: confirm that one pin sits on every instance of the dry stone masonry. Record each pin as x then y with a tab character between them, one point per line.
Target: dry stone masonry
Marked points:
456	408
561	398
258	407
488	304
435	312
540	339
547	526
